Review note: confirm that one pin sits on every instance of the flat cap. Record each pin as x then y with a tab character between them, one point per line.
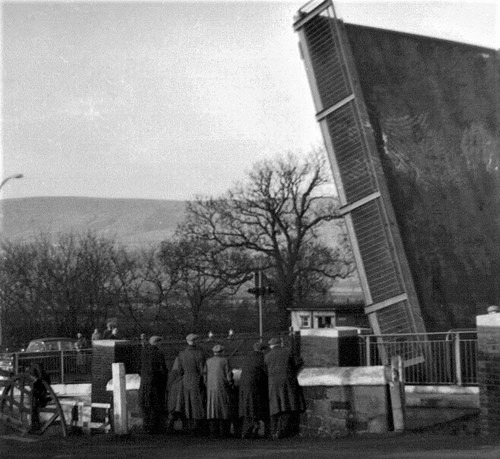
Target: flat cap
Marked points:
274	341
218	348
155	339
258	346
191	337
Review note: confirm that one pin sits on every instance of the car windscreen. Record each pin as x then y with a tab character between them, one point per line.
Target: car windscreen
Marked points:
67	345
35	346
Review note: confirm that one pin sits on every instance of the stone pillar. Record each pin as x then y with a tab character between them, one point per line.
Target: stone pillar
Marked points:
341	397
105	353
330	347
488	372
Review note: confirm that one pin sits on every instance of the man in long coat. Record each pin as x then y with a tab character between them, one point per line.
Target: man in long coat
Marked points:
154	374
175	401
253	395
219	380
285	395
191	367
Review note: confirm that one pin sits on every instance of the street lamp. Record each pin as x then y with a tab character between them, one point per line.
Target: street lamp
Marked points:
6	179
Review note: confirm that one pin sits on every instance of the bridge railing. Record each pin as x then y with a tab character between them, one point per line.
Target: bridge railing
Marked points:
71	366
432	358
62	367
429	358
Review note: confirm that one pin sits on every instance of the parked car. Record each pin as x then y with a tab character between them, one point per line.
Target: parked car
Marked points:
45	352
6	365
51	344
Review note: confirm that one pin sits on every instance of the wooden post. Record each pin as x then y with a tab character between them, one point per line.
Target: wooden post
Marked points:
120	414
396	389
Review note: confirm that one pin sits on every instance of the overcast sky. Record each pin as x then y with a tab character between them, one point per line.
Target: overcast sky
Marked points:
168	100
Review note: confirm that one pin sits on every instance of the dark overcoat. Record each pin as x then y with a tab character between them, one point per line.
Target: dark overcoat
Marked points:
154	374
253	395
175	392
191	367
284	391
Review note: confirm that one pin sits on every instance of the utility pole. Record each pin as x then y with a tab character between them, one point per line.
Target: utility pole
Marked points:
259	291
261	296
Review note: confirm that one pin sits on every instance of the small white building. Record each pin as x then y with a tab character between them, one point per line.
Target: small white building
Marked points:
340	311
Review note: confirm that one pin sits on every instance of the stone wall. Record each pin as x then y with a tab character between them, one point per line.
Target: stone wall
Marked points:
344	400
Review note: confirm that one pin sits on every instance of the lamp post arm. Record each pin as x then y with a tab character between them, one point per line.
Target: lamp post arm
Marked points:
6	179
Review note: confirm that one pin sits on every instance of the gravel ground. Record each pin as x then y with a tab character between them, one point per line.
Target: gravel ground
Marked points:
419	445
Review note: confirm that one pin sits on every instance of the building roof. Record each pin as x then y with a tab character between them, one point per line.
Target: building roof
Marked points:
339	304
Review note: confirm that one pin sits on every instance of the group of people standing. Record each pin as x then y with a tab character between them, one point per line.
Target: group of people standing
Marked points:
110	332
206	397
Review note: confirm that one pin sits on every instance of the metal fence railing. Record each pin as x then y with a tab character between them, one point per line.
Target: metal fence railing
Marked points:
236	347
62	367
71	366
429	358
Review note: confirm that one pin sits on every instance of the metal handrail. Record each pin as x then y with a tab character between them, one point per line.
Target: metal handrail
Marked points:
445	357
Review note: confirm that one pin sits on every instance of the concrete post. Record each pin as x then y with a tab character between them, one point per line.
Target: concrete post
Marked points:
396	389
488	372
458	360
84	410
120	414
368	351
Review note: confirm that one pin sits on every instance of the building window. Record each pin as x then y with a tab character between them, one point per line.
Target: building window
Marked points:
326	321
305	321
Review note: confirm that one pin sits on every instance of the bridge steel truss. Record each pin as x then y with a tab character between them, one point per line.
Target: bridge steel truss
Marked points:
391	301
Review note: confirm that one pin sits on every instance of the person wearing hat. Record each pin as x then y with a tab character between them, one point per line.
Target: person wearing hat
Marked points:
191	367
152	389
285	395
96	335
253	396
106	334
219	381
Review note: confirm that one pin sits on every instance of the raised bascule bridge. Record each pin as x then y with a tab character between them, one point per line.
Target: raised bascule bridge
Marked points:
411	128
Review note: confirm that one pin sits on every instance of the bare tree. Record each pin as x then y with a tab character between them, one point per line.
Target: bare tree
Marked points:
56	287
201	271
21	312
278	215
160	288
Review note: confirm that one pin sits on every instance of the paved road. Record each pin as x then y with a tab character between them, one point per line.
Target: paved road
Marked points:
387	446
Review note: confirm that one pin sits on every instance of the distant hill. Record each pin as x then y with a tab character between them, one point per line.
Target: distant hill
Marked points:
134	222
